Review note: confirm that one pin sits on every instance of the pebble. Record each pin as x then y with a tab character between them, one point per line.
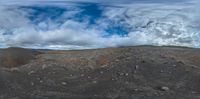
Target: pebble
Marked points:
121	74
44	67
94	82
112	79
136	67
64	83
32	84
70	75
164	88
88	77
117	60
136	90
31	72
174	65
14	70
41	81
82	75
156	94
53	72
101	72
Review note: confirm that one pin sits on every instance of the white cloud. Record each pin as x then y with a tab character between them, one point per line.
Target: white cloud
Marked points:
157	24
160	24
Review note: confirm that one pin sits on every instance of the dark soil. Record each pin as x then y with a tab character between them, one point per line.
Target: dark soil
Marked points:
142	72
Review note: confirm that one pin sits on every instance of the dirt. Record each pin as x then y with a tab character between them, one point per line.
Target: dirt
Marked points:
140	72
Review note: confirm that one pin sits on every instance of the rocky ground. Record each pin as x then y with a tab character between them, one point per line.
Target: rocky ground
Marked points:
142	72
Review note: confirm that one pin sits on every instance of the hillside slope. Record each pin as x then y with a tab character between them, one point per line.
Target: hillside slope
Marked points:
142	72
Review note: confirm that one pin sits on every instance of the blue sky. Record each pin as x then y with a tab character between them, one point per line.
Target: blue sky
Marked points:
86	24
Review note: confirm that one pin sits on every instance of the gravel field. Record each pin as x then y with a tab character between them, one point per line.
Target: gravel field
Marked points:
140	72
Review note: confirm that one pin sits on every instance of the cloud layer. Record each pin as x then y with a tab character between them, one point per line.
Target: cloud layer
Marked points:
76	26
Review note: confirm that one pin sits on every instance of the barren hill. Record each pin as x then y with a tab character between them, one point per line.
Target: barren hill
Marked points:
142	72
14	57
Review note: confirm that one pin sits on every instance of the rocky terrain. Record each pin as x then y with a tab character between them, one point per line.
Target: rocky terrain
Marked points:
140	72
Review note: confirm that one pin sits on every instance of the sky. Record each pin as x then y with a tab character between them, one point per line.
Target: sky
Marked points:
88	24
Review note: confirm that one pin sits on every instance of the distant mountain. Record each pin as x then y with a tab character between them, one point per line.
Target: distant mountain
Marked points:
140	72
